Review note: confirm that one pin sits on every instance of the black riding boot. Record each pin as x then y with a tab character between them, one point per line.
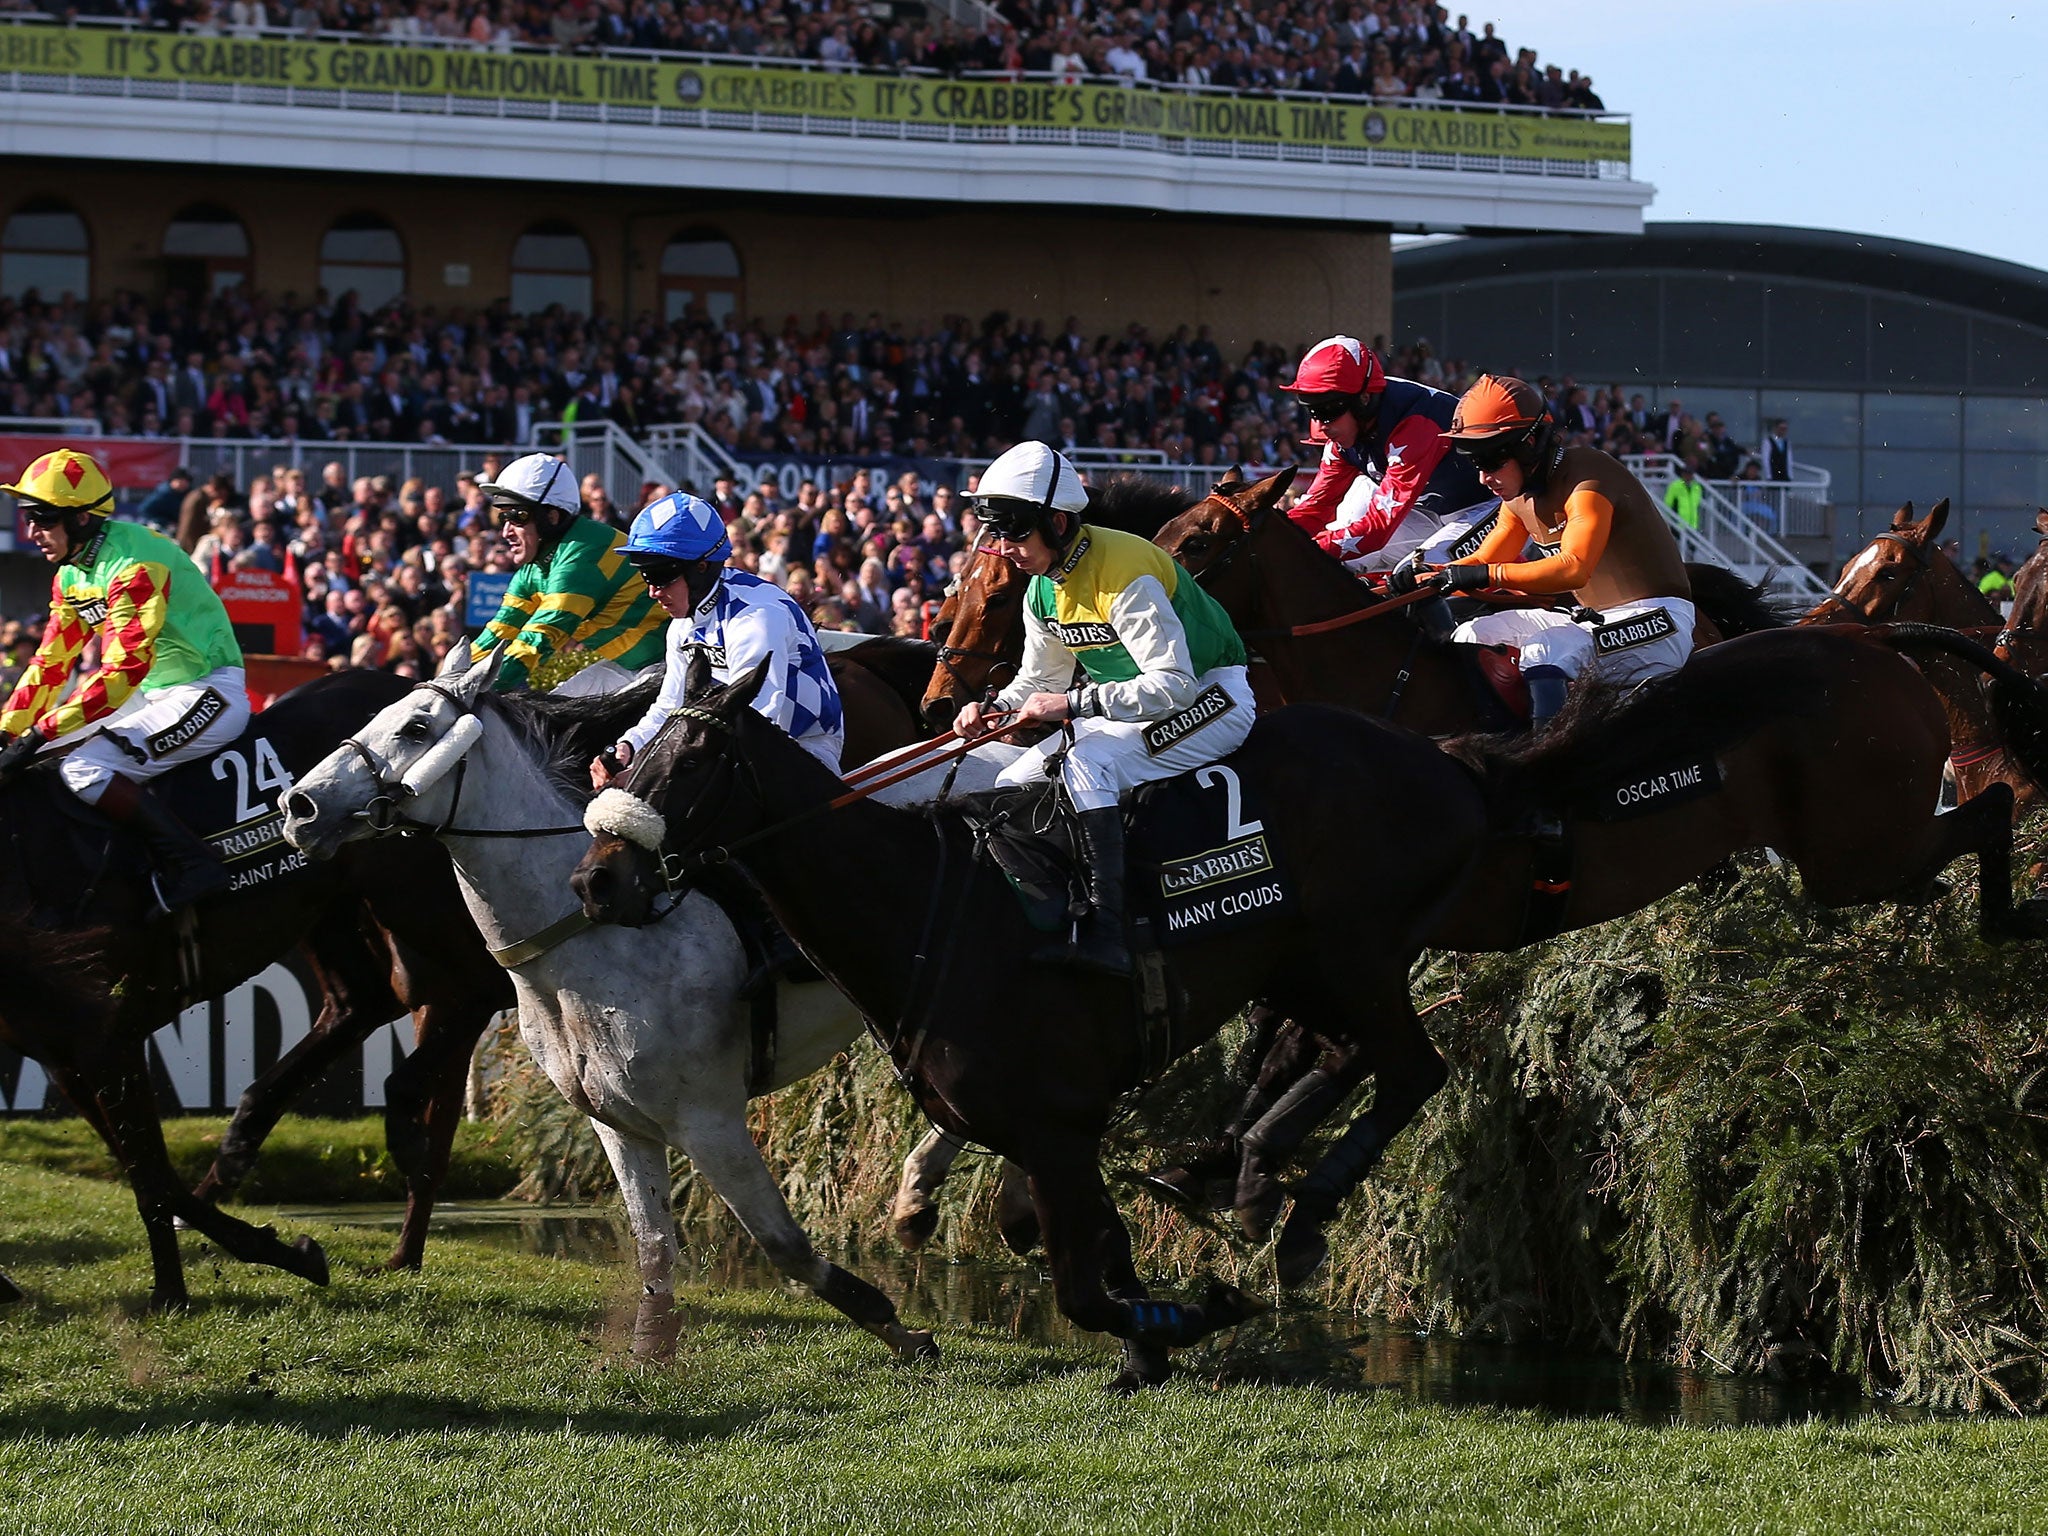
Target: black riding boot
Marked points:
1099	946
187	870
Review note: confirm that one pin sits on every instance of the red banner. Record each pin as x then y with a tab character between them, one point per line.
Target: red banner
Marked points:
265	610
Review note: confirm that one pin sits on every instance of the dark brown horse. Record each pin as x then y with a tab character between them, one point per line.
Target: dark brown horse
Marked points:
386	933
1030	1060
1902	575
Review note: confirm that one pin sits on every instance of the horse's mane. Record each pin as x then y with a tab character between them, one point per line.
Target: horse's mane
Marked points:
1604	735
1737	607
566	732
1140	504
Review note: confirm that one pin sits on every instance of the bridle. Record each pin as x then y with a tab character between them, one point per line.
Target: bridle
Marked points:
1922	567
383	813
947	653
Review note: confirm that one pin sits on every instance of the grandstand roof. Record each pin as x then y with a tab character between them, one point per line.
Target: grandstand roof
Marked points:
2002	289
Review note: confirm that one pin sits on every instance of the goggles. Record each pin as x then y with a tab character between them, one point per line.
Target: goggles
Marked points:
1324	409
1490	453
43	515
517	514
659	571
1008	519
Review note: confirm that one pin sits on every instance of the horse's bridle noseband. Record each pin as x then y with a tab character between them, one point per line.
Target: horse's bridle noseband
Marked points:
1922	565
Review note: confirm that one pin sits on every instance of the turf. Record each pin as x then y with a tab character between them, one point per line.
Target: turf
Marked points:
491	1393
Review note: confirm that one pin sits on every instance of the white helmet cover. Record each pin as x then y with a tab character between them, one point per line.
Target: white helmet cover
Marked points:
537	479
1035	473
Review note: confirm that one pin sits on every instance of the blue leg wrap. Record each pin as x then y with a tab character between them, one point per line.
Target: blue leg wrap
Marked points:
1165	1322
1547	688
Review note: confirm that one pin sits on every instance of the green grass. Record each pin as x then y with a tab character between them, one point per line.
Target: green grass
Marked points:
491	1393
308	1161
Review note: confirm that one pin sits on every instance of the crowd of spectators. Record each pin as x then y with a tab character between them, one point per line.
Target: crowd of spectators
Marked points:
1387	49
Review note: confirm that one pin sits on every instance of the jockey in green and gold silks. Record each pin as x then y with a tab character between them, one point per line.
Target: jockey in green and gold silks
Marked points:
573	582
1162	684
168	688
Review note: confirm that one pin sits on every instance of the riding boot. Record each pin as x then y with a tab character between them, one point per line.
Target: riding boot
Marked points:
187	869
1099	943
1547	688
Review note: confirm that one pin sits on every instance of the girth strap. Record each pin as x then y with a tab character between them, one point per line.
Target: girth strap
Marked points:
532	949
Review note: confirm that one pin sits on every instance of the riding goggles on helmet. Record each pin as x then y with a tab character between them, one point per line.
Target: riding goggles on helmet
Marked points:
1009	518
1324	409
516	514
43	515
659	570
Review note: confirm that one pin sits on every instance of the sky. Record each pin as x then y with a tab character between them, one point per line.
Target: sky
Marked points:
1923	121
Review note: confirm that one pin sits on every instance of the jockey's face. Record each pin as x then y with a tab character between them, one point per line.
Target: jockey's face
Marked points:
522	531
53	539
1030	554
1505	482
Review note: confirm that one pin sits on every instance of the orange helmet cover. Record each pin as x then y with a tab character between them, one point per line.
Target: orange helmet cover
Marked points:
1495	405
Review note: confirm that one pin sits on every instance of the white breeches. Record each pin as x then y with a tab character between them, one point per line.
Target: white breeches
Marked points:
167	727
1622	651
1112	757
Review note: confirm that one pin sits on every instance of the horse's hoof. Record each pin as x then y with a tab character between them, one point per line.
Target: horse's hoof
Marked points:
917	1344
402	1262
1302	1251
1225	1306
310	1261
168	1301
1177	1186
10	1293
2028	920
1257	1210
1020	1233
915	1227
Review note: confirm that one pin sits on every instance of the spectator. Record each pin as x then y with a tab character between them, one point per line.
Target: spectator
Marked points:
162	507
1684	494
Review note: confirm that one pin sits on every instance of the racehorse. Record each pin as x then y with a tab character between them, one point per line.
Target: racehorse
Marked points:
649	1035
384	930
2030	585
1902	574
1033	1066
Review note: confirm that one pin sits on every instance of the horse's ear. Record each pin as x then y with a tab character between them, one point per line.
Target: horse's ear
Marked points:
740	696
697	678
1903	518
2041	521
1269	490
481	676
1935	519
1232	479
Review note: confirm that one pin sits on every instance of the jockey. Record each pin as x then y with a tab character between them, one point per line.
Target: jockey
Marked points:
1163	689
1389	486
167	653
1604	544
572	582
734	618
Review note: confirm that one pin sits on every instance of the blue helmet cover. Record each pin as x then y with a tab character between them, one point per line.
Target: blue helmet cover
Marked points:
680	527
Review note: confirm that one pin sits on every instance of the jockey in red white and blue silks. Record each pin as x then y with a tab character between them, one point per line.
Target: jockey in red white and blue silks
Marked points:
733	619
1389	486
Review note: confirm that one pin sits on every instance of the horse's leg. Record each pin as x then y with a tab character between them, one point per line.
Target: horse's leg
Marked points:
642	1170
719	1145
915	1210
355	998
1407	1069
1276	1051
1016	1214
1146	1362
9	1291
435	1077
167	1265
1286	1123
129	1101
1081	1224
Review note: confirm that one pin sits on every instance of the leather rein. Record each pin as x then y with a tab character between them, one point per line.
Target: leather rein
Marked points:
1240	545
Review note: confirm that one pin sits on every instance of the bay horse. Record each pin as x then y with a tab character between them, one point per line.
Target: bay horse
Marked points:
2030	584
652	1036
385	932
1033	1065
1902	575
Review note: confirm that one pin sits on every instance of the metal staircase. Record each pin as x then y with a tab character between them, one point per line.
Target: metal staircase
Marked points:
1730	537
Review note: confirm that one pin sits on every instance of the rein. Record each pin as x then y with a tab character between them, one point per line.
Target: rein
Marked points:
1239	546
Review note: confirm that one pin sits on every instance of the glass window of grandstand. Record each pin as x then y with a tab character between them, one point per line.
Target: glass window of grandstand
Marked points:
363	255
700	270
206	251
551	265
44	251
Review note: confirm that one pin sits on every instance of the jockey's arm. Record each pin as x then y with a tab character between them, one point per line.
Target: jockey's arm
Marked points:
1152	632
137	602
1312	511
1047	667
1414	449
63	642
1588	519
558	611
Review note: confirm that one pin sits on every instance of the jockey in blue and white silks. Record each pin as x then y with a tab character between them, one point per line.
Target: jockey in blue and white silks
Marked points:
733	619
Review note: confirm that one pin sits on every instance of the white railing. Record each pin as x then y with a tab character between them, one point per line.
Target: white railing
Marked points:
1733	535
692	455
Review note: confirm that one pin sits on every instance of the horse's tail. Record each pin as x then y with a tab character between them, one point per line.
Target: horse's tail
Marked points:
53	975
2018	703
1737	607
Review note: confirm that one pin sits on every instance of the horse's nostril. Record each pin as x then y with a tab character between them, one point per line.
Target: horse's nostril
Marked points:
595	886
298	806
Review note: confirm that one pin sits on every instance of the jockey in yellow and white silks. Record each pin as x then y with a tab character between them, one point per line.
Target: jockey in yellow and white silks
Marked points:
1161	685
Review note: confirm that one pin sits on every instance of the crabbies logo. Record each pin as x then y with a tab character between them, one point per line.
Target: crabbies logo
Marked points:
689	88
1375	128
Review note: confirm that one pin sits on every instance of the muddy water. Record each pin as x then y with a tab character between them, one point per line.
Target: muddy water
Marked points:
1299	1344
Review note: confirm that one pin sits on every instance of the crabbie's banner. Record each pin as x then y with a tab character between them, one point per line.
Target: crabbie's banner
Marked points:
780	90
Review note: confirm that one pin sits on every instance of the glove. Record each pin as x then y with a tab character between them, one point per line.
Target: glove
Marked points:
19	753
1466	578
